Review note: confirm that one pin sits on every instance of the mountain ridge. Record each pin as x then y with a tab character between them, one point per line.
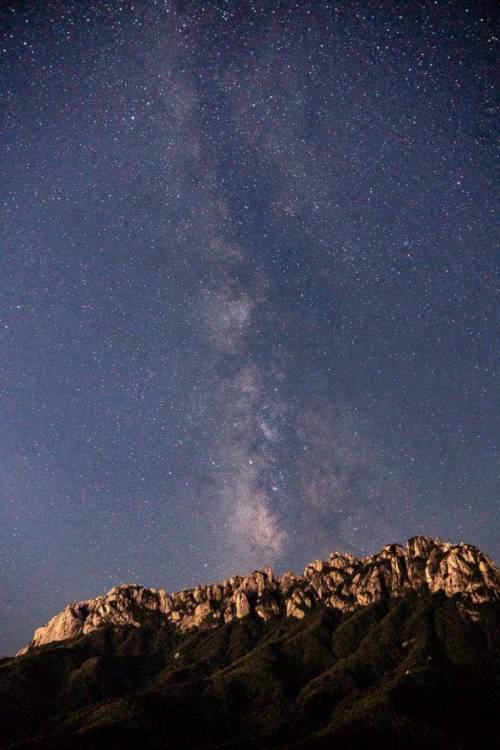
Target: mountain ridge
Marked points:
343	582
400	649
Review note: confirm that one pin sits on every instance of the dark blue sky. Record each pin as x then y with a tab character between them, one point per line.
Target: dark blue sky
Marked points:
247	307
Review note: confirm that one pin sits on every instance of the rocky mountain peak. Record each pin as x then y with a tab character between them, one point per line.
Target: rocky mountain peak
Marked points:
343	582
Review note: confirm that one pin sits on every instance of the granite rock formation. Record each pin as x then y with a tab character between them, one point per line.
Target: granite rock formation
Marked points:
343	582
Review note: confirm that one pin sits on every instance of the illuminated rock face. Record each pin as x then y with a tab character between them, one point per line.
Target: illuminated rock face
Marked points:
342	582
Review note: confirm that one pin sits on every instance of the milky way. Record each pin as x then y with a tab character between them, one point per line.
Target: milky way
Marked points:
246	292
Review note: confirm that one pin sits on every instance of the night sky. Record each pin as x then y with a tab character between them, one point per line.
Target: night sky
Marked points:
247	309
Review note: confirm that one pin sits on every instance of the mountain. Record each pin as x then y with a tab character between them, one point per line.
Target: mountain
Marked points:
400	648
343	582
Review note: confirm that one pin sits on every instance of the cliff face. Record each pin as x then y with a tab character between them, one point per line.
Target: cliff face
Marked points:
342	582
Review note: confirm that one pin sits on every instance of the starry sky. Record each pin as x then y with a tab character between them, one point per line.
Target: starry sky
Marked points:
247	309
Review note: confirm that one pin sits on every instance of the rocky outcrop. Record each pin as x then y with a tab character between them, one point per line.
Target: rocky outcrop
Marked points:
342	582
